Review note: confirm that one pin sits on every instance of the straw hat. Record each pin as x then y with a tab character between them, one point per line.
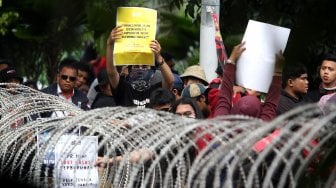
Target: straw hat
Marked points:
195	71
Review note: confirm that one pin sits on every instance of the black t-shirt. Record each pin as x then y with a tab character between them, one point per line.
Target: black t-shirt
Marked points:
125	95
102	100
288	102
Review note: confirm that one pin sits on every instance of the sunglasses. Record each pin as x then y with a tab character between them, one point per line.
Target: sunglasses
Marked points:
71	78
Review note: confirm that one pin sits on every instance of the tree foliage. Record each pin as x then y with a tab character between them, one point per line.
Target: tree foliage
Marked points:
44	30
36	33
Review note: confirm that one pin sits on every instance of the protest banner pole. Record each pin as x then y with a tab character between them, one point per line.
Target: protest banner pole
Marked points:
208	55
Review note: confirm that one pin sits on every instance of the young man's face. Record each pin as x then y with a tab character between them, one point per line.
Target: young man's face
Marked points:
67	78
81	78
299	85
185	110
328	73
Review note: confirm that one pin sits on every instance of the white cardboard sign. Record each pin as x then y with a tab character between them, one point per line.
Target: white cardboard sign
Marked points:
75	157
256	64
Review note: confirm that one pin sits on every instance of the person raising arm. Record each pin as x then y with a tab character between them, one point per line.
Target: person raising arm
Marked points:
116	33
135	89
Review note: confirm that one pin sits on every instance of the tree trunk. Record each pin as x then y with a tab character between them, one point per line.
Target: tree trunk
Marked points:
52	59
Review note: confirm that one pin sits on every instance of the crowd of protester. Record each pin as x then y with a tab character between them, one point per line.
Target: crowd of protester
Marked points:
95	82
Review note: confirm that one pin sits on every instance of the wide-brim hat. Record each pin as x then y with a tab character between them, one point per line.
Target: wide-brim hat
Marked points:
195	71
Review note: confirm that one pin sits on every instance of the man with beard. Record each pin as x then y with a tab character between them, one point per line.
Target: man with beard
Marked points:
135	89
197	92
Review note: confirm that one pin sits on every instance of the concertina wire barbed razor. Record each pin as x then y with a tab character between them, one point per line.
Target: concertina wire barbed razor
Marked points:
159	149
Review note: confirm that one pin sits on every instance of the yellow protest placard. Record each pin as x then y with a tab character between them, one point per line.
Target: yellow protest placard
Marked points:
139	28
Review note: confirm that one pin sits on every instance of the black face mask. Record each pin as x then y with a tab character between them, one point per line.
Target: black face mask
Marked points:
139	78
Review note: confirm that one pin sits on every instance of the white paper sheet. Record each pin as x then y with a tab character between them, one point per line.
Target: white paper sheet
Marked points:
256	65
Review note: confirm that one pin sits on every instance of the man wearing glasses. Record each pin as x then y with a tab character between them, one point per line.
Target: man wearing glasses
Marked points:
65	86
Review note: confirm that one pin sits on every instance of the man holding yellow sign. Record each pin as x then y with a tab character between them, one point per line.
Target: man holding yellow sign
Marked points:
124	48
